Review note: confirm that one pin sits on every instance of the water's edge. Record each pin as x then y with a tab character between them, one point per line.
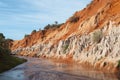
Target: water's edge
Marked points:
39	69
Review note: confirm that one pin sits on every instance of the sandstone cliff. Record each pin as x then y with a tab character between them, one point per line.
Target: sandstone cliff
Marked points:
91	37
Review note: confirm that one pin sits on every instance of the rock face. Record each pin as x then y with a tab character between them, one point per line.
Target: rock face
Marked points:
90	37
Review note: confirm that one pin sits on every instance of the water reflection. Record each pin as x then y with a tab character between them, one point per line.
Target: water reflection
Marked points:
80	71
13	75
39	69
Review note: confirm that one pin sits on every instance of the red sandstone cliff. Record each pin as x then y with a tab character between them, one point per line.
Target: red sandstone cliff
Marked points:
100	19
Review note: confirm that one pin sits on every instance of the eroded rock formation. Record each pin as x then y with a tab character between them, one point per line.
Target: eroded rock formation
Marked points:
90	36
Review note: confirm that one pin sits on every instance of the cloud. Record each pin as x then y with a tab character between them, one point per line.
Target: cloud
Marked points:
22	15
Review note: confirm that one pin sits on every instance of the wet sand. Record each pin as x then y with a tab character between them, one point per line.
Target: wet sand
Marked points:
45	69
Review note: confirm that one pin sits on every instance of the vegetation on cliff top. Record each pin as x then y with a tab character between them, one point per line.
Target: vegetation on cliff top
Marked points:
51	26
74	19
6	60
47	27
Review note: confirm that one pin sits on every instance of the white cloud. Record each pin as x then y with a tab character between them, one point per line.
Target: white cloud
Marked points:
24	14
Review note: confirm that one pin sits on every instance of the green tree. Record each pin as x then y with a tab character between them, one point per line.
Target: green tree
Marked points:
26	35
55	25
74	19
5	44
34	31
2	40
56	22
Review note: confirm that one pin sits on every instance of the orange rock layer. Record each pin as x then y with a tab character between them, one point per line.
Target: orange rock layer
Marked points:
99	15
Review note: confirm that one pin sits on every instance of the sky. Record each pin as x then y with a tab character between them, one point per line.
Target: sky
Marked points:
20	17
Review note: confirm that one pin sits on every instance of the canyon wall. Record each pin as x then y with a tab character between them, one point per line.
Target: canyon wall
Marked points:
91	37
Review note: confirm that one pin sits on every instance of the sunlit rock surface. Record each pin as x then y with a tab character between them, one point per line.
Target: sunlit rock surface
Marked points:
91	37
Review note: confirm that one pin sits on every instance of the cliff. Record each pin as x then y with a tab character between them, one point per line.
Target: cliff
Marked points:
91	37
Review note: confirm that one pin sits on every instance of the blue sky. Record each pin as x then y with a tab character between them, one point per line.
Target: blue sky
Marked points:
20	17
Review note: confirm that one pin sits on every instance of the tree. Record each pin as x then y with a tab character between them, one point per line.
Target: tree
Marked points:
56	22
26	35
34	31
2	40
47	27
74	19
4	44
51	26
2	36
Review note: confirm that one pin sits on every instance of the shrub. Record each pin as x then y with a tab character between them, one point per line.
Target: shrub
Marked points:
97	36
6	60
50	26
3	43
47	27
56	22
65	48
2	36
2	39
26	35
34	31
74	19
118	64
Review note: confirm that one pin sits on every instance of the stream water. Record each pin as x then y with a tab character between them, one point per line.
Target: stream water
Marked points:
43	69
